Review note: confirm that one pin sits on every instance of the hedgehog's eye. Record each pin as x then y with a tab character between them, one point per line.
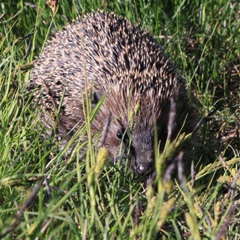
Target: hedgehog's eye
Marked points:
96	96
120	134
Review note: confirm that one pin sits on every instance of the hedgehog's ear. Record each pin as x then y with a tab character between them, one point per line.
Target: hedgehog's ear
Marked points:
96	96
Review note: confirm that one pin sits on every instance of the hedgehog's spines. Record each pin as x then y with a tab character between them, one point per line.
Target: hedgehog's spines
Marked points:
121	61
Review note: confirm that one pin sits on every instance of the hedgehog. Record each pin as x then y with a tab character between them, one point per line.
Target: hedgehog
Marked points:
125	68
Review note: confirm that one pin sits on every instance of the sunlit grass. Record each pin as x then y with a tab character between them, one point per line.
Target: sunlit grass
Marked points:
48	194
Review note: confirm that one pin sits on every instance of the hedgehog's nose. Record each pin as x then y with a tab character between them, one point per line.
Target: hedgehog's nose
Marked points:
143	167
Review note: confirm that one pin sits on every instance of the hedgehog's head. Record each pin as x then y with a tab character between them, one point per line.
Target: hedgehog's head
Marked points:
128	120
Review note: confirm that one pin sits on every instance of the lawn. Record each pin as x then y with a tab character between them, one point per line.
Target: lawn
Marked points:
46	194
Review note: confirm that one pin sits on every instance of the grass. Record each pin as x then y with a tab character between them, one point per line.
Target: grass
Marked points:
45	195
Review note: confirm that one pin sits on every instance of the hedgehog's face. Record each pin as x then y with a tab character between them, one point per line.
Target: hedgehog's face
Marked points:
126	137
134	146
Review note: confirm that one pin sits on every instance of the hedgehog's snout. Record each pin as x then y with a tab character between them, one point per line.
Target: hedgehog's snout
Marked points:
144	161
143	167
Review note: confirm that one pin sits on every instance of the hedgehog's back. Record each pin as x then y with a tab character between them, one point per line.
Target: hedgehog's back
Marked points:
102	49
